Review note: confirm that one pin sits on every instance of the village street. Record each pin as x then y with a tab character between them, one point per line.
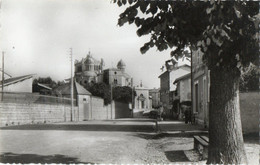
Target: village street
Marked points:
117	141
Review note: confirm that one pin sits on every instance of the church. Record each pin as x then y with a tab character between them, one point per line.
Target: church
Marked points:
90	70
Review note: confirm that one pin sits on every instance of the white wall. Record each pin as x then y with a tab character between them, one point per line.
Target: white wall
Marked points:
145	93
185	90
176	74
21	86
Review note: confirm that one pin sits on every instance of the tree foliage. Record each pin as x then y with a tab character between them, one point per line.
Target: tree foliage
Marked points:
123	94
207	25
100	90
43	80
250	80
227	34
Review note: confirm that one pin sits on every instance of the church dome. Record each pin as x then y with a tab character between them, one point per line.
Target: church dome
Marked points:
90	74
89	60
121	64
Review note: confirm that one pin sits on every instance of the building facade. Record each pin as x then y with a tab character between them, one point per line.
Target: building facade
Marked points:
89	70
117	76
200	88
142	101
174	70
21	84
155	95
182	94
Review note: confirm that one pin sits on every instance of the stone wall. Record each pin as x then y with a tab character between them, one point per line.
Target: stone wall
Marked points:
23	113
100	111
249	108
249	112
18	113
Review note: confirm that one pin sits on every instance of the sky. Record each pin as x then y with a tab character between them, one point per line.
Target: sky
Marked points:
36	37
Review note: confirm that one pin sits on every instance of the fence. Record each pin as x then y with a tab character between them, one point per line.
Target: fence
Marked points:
30	98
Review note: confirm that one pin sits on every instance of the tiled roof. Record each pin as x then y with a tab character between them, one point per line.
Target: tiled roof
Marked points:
77	88
15	79
81	90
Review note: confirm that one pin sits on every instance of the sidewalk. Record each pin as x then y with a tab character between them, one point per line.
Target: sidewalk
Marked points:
124	125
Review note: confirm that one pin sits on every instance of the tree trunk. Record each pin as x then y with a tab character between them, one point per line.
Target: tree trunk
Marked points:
225	129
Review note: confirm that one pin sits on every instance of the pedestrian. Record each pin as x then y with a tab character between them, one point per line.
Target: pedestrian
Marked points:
161	112
189	115
186	114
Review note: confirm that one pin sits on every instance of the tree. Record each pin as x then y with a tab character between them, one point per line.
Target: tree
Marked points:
43	80
226	32
249	80
101	90
123	94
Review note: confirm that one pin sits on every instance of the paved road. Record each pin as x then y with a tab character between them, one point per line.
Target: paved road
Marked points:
119	141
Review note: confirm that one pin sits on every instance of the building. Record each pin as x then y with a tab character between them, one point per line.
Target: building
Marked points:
44	89
174	70
200	88
155	95
182	93
249	100
142	101
91	70
117	76
88	70
18	84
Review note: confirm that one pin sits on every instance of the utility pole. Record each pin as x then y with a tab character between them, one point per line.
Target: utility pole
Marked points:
132	85
71	86
3	77
191	81
111	100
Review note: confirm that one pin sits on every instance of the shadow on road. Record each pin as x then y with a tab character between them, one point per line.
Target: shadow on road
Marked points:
33	158
155	136
176	156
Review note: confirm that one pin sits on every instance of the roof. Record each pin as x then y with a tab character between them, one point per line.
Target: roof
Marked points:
44	86
13	80
184	65
121	63
63	89
155	90
81	90
163	73
77	88
182	77
112	69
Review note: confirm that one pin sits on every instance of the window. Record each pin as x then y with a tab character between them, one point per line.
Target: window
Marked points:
142	104
79	69
196	97
115	81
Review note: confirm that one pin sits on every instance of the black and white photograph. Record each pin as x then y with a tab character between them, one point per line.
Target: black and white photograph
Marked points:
129	82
